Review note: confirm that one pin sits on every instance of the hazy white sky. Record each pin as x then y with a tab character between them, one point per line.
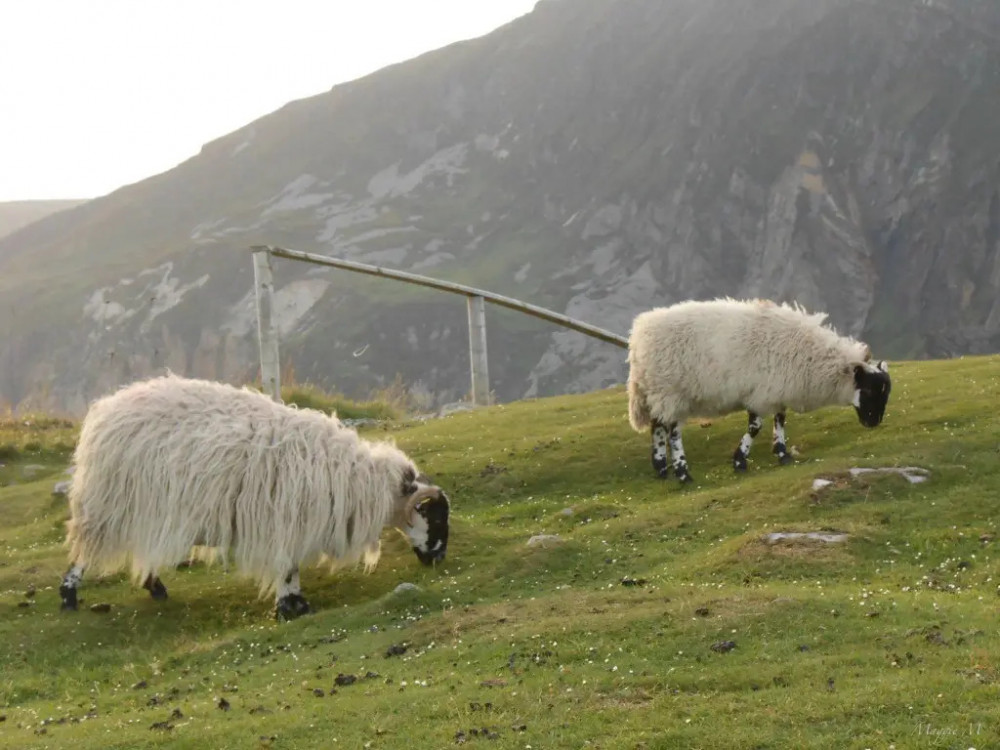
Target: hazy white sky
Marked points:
96	94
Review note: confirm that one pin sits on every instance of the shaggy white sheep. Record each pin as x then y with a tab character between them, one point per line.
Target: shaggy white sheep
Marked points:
711	358
171	463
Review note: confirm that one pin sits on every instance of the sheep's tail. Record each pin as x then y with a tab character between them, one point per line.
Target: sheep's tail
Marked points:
638	410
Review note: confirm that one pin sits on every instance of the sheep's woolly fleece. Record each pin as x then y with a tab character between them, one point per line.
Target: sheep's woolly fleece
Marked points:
169	463
710	358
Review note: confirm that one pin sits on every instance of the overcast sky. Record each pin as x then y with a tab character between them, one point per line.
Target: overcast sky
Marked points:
96	94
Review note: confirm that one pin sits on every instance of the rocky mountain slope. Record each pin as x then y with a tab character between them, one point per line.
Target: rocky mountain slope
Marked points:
597	157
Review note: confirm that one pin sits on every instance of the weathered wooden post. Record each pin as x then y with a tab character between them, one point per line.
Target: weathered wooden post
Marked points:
267	336
477	351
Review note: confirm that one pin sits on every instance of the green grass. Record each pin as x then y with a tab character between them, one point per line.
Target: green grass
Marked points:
891	639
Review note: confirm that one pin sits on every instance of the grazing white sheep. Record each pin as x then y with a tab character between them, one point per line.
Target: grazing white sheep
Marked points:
170	463
711	358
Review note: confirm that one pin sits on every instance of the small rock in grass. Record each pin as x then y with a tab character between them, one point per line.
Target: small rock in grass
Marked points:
544	540
318	692
397	649
223	704
176	714
701	611
567	511
140	685
405	587
101	608
30	591
24	604
836	537
723	647
345	679
164	725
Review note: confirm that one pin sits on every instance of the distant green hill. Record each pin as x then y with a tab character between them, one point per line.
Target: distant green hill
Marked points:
17	214
661	618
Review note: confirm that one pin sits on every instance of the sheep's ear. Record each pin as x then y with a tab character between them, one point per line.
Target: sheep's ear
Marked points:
883	366
409	482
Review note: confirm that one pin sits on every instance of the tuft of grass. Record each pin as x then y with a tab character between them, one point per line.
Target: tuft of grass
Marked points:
661	618
306	396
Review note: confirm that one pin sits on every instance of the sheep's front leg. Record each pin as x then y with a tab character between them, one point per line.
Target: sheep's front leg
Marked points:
290	603
660	464
70	583
784	457
742	452
677	452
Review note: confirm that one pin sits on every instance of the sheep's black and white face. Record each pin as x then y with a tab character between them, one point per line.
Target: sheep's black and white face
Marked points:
871	392
426	524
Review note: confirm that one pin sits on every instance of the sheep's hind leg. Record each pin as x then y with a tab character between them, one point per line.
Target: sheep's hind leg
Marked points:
784	457
660	464
70	583
155	587
290	603
742	452
677	452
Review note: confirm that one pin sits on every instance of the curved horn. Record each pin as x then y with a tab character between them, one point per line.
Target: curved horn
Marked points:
422	493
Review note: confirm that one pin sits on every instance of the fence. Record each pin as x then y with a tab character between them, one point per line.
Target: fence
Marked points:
476	302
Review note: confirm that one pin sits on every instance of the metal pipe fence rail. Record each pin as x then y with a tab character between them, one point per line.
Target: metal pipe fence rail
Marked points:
476	299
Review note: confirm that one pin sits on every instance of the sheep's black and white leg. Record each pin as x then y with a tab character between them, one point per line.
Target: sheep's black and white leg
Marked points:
155	587
70	583
677	453
742	452
660	463
780	449
290	603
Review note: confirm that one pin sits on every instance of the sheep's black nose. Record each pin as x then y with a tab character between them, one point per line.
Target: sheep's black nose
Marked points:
429	558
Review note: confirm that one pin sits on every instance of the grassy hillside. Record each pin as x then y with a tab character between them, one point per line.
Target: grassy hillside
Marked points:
661	620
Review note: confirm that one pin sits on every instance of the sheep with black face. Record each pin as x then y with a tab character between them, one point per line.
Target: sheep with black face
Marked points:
711	358
171	463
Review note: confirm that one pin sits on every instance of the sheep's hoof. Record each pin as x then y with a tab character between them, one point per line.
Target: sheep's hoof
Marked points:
739	461
68	596
683	476
290	607
663	473
155	588
785	459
